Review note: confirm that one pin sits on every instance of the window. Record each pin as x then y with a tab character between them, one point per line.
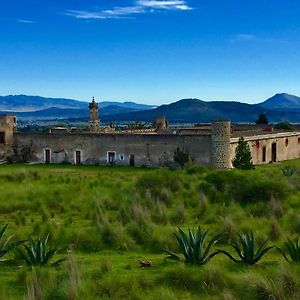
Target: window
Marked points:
121	157
286	142
2	137
264	152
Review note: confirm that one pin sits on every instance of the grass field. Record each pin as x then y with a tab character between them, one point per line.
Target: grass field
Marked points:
104	220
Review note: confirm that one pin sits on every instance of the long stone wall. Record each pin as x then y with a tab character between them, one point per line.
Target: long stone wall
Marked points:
138	149
271	147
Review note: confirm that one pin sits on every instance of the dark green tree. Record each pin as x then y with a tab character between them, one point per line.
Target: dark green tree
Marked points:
262	119
285	125
181	156
243	158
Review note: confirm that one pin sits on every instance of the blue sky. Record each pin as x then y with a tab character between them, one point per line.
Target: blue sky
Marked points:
150	51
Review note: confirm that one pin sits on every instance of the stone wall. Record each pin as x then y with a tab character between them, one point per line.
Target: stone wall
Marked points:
286	145
140	149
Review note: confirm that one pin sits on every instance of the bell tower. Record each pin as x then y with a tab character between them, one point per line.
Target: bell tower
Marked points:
94	120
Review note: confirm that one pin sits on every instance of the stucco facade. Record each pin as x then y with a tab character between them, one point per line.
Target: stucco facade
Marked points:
273	147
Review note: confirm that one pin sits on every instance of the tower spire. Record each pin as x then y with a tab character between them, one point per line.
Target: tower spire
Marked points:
94	120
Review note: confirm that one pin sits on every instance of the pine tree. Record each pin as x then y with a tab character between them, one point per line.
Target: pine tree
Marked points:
262	119
243	158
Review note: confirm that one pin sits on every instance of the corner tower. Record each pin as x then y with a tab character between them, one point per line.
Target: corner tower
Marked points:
220	144
94	120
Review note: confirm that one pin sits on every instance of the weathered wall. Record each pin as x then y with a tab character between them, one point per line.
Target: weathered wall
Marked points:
7	127
148	149
287	146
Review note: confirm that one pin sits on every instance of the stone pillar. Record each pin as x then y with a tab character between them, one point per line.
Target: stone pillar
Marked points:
220	144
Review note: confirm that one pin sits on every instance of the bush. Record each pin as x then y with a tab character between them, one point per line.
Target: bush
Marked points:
181	156
244	187
284	126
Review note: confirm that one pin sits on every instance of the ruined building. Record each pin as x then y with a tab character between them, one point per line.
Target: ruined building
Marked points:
212	145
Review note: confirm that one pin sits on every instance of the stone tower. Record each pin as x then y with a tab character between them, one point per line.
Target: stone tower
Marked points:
220	144
94	120
8	126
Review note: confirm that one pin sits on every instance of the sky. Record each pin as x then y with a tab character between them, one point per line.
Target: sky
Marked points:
150	51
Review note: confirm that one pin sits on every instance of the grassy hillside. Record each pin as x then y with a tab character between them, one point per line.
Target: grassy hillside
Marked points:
105	220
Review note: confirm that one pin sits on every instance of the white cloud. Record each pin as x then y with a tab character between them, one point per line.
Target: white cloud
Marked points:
245	37
164	4
138	7
25	21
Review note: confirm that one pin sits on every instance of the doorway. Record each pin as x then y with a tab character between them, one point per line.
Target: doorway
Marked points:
264	154
47	156
2	137
274	152
111	158
78	157
131	160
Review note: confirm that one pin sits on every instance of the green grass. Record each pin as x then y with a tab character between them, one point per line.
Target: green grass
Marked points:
106	219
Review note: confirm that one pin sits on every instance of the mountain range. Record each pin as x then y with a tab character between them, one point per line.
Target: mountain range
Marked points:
277	108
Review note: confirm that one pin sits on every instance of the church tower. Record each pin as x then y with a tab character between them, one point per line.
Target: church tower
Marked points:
94	120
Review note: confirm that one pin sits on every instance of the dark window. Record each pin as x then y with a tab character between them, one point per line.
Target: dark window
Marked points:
47	156
78	157
264	153
2	137
286	142
274	152
131	160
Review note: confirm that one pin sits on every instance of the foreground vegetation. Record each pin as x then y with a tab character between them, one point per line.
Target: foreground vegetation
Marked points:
104	223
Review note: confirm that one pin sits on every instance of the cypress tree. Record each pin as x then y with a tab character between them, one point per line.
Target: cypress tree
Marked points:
243	158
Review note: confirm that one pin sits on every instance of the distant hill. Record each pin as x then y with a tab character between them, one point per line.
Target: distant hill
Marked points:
278	108
195	110
68	113
24	103
282	101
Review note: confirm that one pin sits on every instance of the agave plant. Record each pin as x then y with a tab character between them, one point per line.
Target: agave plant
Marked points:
246	249
288	171
37	254
6	245
293	250
194	247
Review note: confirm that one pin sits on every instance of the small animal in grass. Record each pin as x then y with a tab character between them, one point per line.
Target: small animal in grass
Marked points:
145	263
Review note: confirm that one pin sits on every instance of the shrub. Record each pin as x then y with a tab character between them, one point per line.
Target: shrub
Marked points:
36	253
243	158
181	156
244	187
285	125
288	171
193	246
246	249
6	245
293	250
